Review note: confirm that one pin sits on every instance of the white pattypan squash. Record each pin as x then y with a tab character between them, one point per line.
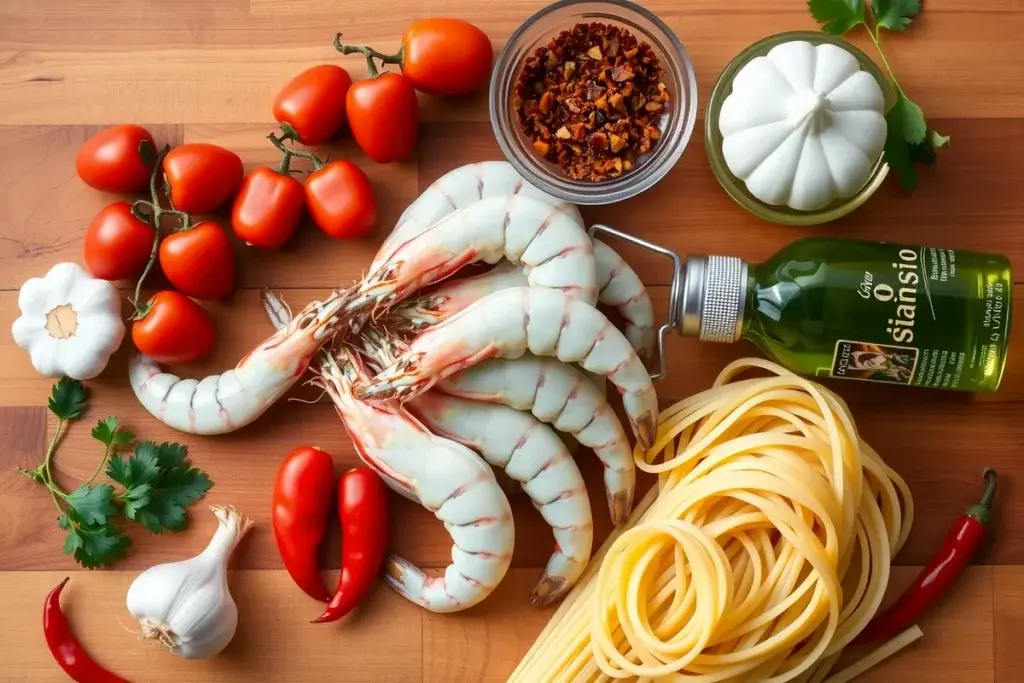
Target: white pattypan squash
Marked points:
70	322
803	125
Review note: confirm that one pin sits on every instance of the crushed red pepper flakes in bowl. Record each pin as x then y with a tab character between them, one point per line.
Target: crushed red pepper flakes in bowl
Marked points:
591	101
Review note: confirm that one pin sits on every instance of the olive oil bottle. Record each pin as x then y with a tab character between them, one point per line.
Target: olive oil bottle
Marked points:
874	311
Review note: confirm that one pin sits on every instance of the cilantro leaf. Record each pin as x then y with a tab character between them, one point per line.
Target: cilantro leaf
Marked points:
908	118
108	432
135	499
67	398
172	485
906	130
142	467
894	15
92	504
95	545
837	16
925	152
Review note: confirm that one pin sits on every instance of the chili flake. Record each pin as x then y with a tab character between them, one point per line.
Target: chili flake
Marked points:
591	100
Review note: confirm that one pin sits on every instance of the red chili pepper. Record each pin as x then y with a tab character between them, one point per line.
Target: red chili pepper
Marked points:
947	564
66	649
302	501
363	509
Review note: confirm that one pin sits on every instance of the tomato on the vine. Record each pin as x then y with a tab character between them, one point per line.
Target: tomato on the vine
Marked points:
173	329
340	200
268	208
313	103
383	115
199	260
117	159
438	56
117	244
202	176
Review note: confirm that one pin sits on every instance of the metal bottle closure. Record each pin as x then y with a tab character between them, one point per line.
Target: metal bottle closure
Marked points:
706	299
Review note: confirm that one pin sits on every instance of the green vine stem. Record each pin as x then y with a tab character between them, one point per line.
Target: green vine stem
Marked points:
290	152
370	54
152	212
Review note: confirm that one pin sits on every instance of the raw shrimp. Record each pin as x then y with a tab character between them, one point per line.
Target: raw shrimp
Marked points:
219	404
558	394
618	285
621	287
415	315
511	322
456	190
553	248
531	453
443	476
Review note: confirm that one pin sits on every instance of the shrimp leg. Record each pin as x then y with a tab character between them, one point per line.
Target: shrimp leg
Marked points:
558	394
530	452
509	323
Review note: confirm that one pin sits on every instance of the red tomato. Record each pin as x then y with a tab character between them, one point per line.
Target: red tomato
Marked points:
303	490
174	329
446	56
313	103
202	176
199	261
111	159
117	244
340	200
268	208
383	115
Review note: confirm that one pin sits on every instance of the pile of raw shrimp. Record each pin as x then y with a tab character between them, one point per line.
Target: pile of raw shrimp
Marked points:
438	382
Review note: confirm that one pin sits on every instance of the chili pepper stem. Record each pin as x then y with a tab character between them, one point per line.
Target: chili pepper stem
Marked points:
982	510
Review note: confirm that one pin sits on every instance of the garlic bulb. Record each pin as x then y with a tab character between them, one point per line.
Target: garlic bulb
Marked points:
803	125
187	605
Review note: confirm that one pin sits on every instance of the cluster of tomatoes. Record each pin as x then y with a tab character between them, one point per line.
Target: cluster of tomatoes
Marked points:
124	241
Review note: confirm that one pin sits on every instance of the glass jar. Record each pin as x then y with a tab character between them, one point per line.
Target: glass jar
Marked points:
736	187
676	125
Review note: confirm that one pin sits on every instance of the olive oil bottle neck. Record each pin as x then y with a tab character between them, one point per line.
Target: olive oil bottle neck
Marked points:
713	298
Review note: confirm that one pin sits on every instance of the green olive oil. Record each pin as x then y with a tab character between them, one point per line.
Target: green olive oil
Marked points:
874	311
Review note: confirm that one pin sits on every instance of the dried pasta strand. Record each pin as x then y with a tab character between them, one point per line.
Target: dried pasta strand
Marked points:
762	552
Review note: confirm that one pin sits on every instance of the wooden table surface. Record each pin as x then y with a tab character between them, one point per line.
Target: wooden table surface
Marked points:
194	70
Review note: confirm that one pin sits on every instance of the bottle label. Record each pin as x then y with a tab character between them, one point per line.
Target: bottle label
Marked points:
882	312
874	362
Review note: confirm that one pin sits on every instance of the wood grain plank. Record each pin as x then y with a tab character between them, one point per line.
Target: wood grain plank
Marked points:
106	77
967	201
1008	623
274	640
486	642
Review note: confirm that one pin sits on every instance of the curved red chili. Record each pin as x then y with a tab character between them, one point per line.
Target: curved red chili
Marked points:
363	509
301	505
65	647
945	566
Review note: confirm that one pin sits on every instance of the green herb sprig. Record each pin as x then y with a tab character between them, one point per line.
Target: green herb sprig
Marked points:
156	485
909	140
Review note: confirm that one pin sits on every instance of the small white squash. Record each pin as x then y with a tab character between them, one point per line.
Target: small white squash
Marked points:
803	125
70	322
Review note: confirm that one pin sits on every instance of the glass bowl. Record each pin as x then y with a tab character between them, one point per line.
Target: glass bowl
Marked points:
676	124
735	187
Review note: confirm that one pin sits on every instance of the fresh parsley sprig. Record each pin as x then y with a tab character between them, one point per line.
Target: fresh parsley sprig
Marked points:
157	484
909	140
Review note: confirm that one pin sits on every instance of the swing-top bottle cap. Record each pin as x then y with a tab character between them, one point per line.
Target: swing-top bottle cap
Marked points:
713	297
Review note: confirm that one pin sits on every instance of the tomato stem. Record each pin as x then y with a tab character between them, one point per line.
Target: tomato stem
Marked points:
290	152
154	218
370	54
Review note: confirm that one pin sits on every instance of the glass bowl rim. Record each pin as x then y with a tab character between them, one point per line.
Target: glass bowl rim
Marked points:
681	122
736	188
